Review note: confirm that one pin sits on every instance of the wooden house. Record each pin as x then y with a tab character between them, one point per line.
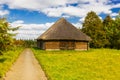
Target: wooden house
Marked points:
63	36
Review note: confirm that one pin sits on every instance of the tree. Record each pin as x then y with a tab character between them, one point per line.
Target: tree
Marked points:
117	21
108	25
93	27
6	38
116	36
107	21
112	30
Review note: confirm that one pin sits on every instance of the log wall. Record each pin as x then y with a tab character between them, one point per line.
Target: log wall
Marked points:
56	45
81	45
52	45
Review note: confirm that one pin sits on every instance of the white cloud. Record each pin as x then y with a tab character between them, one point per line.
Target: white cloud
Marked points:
32	31
114	14
58	8
83	7
64	11
74	11
78	25
29	31
3	12
82	19
34	4
98	7
53	12
66	16
116	6
18	22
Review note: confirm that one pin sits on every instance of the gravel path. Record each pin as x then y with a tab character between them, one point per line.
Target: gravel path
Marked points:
26	68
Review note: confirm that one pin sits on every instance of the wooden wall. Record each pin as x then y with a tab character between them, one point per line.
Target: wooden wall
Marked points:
81	45
56	45
67	45
52	45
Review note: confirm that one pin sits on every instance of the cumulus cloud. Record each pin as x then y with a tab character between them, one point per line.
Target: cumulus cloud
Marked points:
116	6
62	11
78	11
29	31
34	4
53	12
58	8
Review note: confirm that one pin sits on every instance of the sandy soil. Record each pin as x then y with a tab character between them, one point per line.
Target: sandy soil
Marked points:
26	68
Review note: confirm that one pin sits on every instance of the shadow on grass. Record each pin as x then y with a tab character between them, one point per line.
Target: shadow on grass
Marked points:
2	60
36	48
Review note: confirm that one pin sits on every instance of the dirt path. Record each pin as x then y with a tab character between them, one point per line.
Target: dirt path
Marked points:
26	68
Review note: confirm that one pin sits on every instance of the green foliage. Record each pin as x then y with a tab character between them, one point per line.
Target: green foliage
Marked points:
116	35
112	29
95	64
19	43
104	34
6	40
93	27
29	43
7	59
108	21
109	29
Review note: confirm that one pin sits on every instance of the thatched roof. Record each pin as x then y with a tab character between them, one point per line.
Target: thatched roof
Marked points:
63	30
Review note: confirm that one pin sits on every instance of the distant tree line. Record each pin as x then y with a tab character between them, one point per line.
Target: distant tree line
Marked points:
104	34
25	43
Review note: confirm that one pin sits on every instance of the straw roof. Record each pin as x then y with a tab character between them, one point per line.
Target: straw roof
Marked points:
63	30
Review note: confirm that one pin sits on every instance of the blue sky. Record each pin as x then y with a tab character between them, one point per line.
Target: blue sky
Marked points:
36	16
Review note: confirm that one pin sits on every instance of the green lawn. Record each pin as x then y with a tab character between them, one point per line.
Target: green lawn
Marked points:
7	59
95	64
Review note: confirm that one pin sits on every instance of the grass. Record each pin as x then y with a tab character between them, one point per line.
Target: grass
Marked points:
7	59
95	64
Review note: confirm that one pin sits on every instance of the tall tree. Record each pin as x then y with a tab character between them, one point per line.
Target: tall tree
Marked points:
117	21
107	21
6	38
116	35
112	30
108	24
93	27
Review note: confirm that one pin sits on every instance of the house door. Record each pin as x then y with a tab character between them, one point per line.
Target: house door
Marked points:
67	45
41	44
